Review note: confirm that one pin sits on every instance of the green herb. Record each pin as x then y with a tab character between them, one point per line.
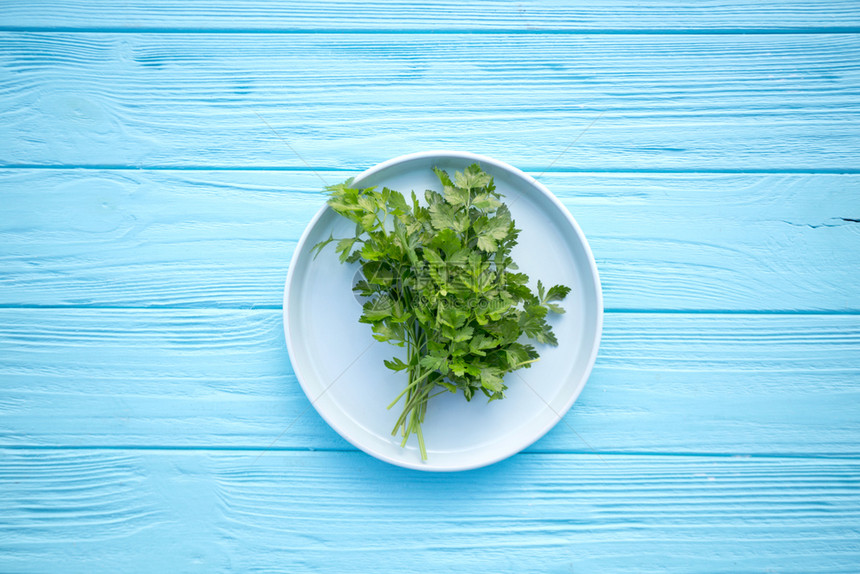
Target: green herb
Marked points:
438	278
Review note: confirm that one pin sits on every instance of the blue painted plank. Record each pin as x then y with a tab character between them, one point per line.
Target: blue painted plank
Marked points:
435	15
107	510
225	238
669	102
736	384
774	385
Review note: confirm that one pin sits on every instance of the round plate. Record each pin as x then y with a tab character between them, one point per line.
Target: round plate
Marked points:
339	364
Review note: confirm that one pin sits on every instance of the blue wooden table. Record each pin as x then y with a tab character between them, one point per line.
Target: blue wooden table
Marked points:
149	417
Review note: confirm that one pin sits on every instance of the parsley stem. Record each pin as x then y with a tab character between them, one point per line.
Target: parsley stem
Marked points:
410	386
421	440
414	403
518	365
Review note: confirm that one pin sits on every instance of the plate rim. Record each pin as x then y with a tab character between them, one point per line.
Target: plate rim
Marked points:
427	466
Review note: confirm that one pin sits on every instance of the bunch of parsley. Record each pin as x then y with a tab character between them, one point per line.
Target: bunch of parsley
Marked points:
438	278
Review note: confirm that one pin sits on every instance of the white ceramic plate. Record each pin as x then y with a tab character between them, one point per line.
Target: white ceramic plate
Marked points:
339	364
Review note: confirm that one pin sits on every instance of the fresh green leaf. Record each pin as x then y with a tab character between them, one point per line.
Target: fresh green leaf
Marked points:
486	243
555	308
395	364
557	293
491	379
486	202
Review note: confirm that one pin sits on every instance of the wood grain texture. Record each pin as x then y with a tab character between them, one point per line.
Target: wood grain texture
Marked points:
737	384
527	16
150	420
679	102
85	511
225	238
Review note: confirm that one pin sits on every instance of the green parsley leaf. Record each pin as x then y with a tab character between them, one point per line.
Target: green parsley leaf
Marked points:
439	279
